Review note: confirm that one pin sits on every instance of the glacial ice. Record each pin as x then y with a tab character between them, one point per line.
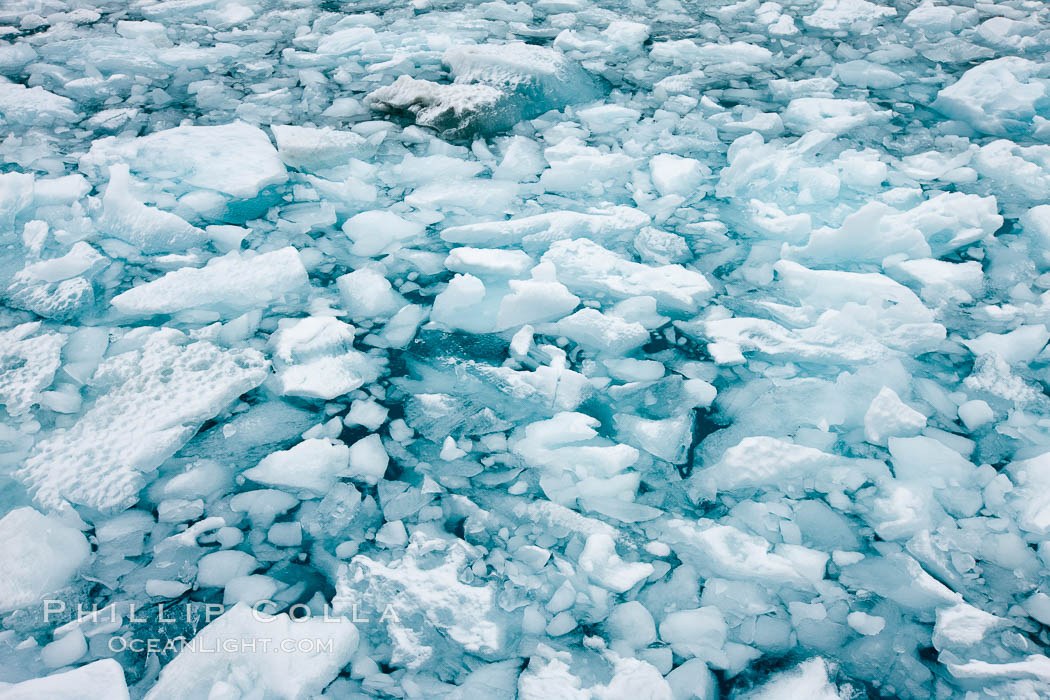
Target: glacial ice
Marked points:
556	349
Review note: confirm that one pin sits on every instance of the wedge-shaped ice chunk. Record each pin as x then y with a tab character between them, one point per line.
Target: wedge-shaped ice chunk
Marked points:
309	469
1000	97
587	268
229	285
40	555
149	229
150	401
237	652
28	362
98	679
315	357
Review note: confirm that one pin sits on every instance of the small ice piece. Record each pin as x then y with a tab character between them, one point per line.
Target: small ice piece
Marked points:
863	623
1020	345
228	653
368	413
309	469
697	633
392	534
887	416
588	268
376	233
367	294
852	16
228	285
450	450
455	110
40	555
489	262
598	332
600	562
314	357
368	459
632	624
311	149
837	116
64	650
975	413
219	568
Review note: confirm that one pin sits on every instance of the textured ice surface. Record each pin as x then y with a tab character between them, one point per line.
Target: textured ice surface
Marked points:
577	349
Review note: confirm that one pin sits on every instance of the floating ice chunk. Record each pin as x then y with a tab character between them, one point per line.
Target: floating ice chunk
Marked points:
544	77
673	174
310	468
941	224
315	357
229	285
367	294
570	441
940	281
102	678
346	41
768	463
538	232
378	232
975	413
1030	497
1020	345
368	459
851	16
215	164
227	656
888	416
41	555
534	301
155	398
312	150
426	590
669	439
602	333
219	568
489	262
149	229
836	116
727	552
28	106
807	680
999	97
631	623
697	633
454	110
588	268
600	562
604	119
29	362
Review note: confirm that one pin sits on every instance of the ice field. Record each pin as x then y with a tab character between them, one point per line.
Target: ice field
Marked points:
557	350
